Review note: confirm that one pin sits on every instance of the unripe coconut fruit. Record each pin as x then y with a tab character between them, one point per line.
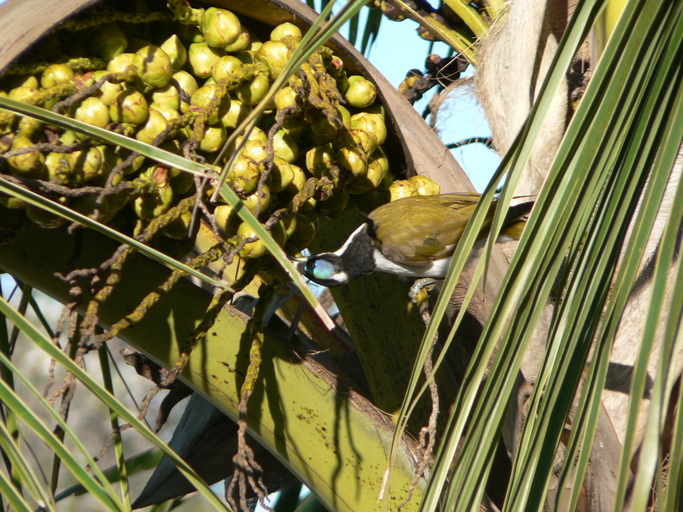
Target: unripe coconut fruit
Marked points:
153	65
372	123
211	96
400	189
284	30
120	62
353	160
93	111
361	92
244	174
242	42
86	164
319	160
56	74
220	27
425	186
214	138
108	90
176	51
29	165
202	57
258	248
129	106
226	67
156	123
186	85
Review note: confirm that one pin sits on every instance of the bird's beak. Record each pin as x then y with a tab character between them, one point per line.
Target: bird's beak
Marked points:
299	263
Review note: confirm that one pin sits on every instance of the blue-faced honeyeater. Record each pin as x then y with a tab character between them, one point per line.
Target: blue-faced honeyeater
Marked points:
414	236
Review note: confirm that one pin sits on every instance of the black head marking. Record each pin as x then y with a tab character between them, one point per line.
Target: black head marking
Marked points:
358	254
353	260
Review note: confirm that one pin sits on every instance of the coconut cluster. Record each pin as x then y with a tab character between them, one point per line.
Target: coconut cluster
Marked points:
185	86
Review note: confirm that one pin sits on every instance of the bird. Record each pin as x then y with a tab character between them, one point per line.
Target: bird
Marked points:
414	236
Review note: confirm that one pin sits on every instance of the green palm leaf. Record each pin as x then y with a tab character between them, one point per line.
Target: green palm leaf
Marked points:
26	415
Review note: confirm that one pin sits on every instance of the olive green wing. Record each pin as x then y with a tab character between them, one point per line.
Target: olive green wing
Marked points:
419	229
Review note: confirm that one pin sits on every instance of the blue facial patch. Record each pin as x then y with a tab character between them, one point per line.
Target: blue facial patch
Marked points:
320	269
